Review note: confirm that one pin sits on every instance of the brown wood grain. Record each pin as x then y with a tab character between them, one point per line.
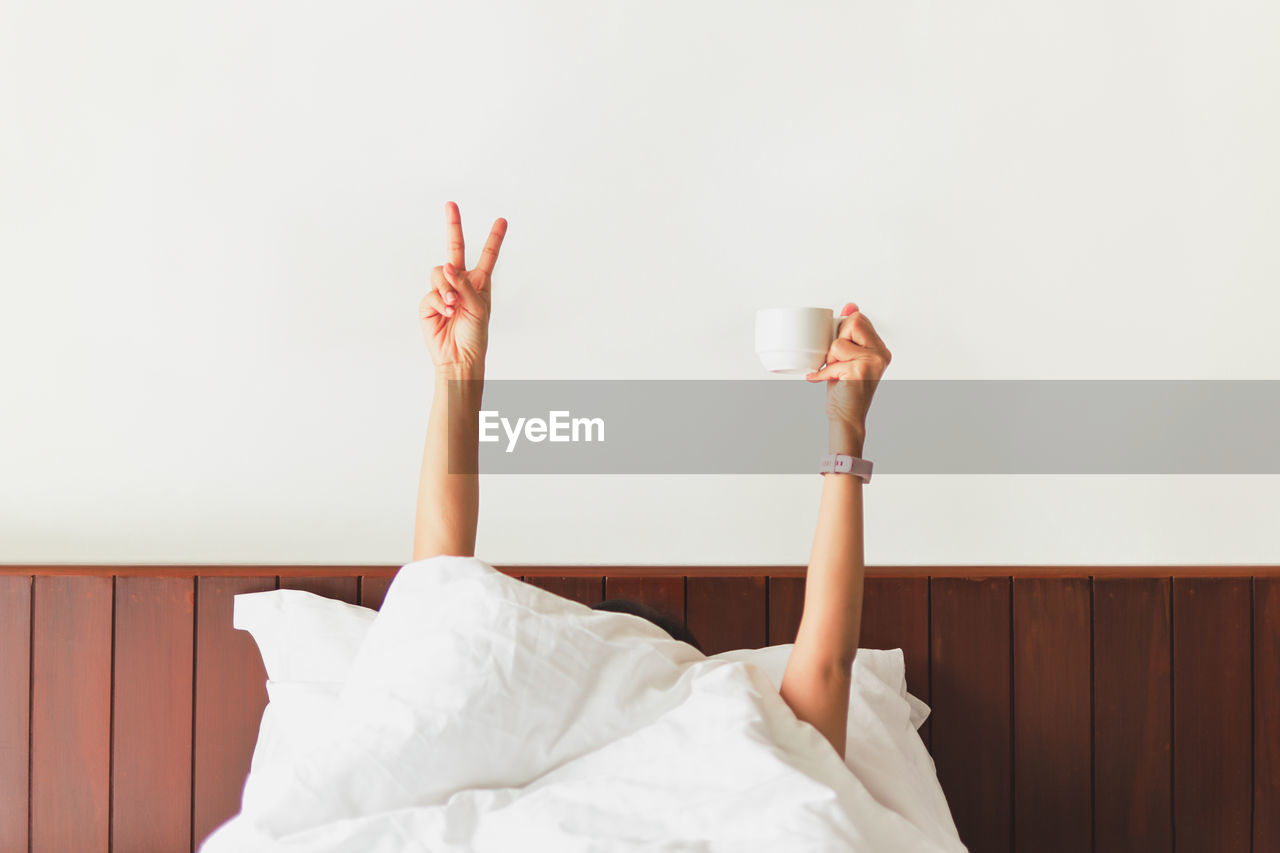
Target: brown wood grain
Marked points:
970	639
786	605
665	594
15	709
1052	714
1132	723
1212	714
151	731
71	714
726	613
339	587
584	590
895	615
1185	710
1266	714
229	697
373	590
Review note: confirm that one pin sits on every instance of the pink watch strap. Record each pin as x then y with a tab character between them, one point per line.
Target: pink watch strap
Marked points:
838	463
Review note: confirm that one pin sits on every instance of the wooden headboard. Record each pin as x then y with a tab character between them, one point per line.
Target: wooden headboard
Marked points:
1074	708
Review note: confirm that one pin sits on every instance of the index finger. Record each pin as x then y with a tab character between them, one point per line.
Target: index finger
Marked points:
455	248
857	328
489	254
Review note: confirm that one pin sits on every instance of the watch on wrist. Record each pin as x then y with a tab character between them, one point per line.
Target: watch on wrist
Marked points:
838	463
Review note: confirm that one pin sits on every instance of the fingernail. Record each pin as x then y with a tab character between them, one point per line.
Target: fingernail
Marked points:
451	297
448	267
448	312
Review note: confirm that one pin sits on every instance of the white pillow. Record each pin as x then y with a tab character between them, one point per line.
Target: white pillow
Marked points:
303	636
309	643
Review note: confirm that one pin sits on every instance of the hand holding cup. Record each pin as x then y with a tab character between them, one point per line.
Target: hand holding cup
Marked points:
855	361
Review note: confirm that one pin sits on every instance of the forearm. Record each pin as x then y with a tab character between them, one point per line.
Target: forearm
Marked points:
816	681
449	487
833	588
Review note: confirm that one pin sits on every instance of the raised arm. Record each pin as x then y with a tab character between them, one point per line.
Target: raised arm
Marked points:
455	321
817	679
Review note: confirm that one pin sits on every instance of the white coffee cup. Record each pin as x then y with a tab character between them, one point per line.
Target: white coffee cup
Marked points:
795	340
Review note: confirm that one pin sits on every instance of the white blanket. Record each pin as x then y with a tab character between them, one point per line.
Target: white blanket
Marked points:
483	714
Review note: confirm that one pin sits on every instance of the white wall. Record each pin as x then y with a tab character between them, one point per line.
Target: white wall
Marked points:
217	221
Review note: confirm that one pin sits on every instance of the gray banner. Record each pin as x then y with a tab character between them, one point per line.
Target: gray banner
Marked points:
915	427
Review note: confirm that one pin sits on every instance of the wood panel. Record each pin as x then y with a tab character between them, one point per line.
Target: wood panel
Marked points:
665	594
1266	714
71	714
15	709
726	613
1185	705
1132	723
584	590
786	605
1212	714
970	672
229	697
373	589
895	615
152	716
1052	713
338	587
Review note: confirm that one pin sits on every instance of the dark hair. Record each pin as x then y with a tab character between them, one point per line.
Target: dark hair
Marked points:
667	623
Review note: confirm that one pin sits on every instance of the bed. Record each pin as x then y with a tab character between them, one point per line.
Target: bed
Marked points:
1088	708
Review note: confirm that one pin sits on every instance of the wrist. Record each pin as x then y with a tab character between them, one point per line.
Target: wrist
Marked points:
462	386
459	371
845	439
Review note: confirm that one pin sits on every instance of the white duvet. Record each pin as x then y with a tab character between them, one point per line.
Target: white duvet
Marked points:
483	714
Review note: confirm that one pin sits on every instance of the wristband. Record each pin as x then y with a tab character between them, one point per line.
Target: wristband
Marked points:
838	463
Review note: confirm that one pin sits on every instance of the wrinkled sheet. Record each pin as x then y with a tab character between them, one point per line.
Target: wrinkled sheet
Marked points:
484	714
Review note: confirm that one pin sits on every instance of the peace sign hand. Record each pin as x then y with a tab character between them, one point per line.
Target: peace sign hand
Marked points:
455	313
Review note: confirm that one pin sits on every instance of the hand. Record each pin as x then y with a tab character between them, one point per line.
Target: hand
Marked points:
855	363
455	313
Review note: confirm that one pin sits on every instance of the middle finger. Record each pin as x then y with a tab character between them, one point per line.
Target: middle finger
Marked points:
857	328
842	349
